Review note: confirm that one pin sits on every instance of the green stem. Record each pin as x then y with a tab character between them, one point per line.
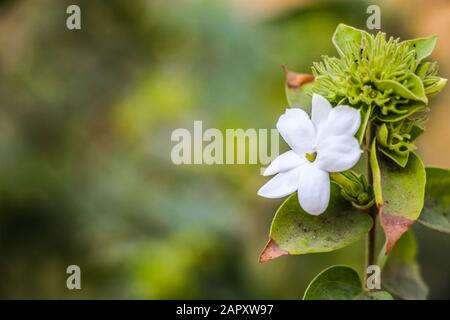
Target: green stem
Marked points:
371	238
366	114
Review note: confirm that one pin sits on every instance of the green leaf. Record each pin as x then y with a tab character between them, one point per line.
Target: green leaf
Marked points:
412	89
374	295
297	87
436	211
344	35
399	193
294	231
423	46
401	274
334	283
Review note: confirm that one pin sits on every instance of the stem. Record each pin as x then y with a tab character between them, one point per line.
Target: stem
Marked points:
371	238
370	254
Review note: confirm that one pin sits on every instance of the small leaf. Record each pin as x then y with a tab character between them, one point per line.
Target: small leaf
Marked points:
401	274
297	86
334	283
294	231
412	89
345	34
399	193
423	46
374	295
436	210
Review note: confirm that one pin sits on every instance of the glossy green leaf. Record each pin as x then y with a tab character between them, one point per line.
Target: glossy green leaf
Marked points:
345	34
294	231
436	210
401	273
423	46
374	295
334	283
412	89
399	193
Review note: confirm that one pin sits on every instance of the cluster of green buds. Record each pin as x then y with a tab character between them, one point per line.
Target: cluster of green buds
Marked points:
354	188
386	80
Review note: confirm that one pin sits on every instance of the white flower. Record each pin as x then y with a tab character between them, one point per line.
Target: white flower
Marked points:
325	143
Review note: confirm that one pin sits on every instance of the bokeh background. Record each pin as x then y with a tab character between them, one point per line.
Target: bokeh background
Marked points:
85	124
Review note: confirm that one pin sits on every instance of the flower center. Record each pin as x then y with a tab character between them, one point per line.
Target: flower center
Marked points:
311	156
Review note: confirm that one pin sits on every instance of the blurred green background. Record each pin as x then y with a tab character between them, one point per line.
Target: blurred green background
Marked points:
85	124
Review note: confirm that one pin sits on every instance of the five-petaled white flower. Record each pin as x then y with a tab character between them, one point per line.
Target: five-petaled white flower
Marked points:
325	143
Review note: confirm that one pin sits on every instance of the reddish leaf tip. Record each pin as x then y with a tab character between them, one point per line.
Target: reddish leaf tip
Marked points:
271	251
394	227
295	80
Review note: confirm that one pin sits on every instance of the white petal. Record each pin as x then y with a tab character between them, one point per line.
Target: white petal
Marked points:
313	189
320	110
281	185
338	153
284	162
297	130
342	120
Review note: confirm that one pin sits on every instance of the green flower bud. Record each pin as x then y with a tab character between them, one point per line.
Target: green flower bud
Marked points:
354	188
385	75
